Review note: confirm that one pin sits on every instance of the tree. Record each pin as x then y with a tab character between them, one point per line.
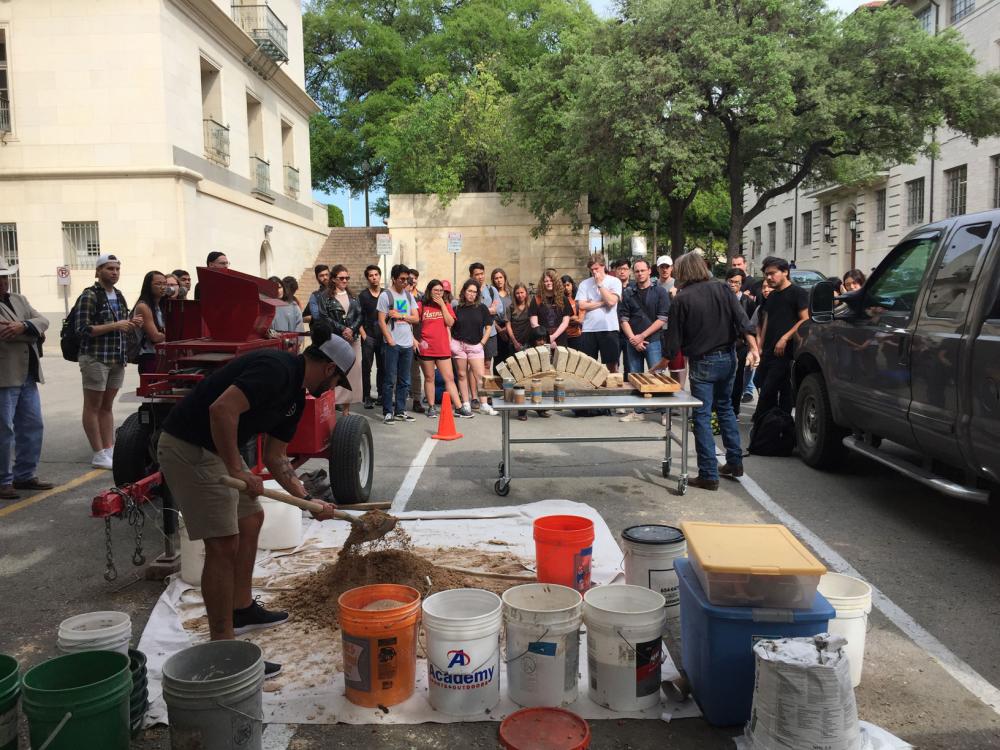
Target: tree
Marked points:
334	216
795	88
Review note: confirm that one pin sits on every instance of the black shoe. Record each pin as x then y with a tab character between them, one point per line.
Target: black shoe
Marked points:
255	617
271	670
731	472
706	484
747	398
32	484
418	407
475	404
369	404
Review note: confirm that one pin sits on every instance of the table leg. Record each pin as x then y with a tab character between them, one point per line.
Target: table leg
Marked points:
682	481
668	449
502	486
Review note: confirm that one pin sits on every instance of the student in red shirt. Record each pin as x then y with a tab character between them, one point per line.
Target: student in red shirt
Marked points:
434	345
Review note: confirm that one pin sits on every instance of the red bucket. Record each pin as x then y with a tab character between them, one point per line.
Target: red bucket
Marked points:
564	546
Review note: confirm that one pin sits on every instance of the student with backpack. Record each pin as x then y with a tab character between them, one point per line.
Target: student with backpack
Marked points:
104	328
397	314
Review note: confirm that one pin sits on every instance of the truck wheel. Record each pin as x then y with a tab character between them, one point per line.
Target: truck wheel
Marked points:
134	456
819	439
352	465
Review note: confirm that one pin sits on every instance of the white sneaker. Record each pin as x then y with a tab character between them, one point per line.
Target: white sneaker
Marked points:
102	459
485	408
633	417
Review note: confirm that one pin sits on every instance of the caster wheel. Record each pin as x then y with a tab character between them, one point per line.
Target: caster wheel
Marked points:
682	486
501	489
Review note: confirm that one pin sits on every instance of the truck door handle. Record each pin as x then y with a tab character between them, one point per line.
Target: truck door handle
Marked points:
904	351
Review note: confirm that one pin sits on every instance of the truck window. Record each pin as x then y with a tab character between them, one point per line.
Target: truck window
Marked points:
894	292
956	273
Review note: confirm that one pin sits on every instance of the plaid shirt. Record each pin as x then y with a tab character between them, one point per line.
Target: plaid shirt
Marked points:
108	348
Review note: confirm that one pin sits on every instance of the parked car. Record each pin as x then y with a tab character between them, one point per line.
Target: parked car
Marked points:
806	278
912	357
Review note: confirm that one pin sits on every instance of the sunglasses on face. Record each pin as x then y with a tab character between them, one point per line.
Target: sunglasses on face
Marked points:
343	278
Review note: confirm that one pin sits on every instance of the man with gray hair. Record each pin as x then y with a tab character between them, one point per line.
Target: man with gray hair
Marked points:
704	321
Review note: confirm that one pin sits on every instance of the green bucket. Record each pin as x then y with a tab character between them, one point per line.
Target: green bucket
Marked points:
10	691
79	702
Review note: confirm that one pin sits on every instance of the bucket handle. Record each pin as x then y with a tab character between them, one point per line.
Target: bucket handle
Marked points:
625	641
59	727
528	650
219	704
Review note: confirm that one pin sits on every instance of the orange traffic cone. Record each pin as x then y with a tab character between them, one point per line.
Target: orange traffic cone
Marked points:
446	423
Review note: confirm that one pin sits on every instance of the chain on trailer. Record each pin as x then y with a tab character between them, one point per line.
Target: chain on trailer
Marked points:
133	515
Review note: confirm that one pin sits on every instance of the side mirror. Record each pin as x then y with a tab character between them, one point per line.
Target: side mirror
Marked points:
821	302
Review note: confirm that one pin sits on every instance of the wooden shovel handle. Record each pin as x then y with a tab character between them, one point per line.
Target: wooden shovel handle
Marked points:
284	497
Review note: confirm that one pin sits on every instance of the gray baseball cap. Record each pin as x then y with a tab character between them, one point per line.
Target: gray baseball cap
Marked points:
341	354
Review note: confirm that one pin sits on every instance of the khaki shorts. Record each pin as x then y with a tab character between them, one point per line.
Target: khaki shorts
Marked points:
192	473
98	376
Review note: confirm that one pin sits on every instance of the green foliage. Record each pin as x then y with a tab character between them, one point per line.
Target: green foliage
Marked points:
334	216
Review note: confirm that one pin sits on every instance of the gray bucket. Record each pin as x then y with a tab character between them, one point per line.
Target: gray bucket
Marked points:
213	694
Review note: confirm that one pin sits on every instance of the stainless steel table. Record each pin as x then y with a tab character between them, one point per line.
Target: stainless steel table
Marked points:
680	402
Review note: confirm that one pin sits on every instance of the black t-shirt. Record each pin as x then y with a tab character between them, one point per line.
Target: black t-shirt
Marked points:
270	379
470	322
782	311
549	316
369	313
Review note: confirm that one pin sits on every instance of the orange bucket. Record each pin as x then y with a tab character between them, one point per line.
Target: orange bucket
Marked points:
379	632
564	546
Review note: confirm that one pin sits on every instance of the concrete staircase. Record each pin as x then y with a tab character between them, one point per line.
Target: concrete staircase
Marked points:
352	246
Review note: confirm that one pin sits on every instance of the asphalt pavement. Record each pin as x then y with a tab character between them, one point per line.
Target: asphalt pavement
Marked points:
932	664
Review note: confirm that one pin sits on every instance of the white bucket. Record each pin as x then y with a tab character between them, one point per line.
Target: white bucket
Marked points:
852	598
543	643
624	646
282	527
95	631
463	650
650	551
192	555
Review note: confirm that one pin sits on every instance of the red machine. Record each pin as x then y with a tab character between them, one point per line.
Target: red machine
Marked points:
232	317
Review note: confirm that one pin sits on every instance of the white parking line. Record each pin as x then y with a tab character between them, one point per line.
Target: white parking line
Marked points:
965	675
412	476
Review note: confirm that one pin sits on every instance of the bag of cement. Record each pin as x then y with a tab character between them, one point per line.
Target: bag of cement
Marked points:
802	698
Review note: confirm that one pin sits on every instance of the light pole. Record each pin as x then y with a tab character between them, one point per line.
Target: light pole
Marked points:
654	214
366	168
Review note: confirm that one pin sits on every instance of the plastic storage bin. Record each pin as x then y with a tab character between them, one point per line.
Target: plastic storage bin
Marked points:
752	565
717	645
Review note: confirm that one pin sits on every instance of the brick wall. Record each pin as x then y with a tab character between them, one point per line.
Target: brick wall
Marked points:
352	246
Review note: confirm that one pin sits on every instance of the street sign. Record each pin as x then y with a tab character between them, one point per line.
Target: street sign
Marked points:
62	275
454	242
383	244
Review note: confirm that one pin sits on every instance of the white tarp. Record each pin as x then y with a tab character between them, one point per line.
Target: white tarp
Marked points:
313	693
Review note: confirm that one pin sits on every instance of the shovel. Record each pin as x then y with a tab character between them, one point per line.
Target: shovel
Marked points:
366	528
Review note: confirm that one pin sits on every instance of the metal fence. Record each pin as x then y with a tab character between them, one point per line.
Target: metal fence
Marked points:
8	249
216	142
81	243
260	175
4	114
291	181
262	25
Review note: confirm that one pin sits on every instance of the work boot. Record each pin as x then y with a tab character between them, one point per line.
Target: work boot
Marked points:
255	617
7	492
731	472
32	484
706	484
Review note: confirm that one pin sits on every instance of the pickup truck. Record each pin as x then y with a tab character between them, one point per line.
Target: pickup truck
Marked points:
913	357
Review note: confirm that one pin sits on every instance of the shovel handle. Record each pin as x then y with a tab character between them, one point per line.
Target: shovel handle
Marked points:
284	497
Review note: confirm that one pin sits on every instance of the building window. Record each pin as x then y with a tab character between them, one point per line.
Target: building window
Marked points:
4	85
828	222
807	228
961	8
288	161
926	19
216	134
996	181
772	237
915	202
880	210
789	241
757	241
8	250
956	180
81	243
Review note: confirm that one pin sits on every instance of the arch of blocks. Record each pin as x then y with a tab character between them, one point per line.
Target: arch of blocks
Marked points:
575	367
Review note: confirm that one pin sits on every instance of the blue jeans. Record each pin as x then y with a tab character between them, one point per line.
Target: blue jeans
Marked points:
711	378
636	360
396	378
20	432
748	377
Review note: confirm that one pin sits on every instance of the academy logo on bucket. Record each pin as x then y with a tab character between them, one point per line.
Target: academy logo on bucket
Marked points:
453	681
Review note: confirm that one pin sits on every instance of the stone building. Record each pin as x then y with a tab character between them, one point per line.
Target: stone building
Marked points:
822	229
158	130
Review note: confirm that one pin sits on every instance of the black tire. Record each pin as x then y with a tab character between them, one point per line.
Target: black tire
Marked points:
352	460
819	440
135	450
501	489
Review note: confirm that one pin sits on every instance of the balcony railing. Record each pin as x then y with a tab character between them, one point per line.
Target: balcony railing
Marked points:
291	181
260	176
4	115
216	142
265	28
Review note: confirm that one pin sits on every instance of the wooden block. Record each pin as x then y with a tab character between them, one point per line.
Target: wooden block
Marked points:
585	364
559	358
514	367
504	372
615	380
544	357
533	362
600	377
572	361
522	362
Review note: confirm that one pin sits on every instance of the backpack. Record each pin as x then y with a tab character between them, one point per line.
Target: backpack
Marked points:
773	434
69	334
